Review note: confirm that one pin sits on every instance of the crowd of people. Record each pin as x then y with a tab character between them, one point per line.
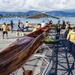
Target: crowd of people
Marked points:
5	28
69	34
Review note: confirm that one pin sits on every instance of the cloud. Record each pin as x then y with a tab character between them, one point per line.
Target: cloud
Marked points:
40	5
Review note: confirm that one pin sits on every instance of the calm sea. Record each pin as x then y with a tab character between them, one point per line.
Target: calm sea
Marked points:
15	20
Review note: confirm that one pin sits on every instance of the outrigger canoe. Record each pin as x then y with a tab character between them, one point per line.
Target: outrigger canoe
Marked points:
16	55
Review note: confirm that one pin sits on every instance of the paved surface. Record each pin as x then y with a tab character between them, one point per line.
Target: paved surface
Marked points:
12	37
63	61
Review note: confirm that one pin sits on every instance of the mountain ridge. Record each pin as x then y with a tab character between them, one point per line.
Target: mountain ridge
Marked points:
53	13
62	13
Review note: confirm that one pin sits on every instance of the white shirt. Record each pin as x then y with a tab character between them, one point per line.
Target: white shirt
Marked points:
42	24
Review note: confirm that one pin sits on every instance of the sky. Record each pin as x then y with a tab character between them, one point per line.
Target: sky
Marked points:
38	5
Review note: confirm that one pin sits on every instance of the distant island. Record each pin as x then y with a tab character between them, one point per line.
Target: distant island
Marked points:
25	14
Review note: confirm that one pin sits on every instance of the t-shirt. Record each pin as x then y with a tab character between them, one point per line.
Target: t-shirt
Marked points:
71	36
67	26
27	24
20	25
42	24
5	27
35	29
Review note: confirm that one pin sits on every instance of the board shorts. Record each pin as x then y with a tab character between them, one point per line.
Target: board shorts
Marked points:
5	32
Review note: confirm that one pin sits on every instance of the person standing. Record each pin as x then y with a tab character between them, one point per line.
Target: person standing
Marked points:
11	24
19	25
42	24
67	29
5	30
65	42
71	38
50	22
20	32
58	28
22	27
63	24
27	25
67	25
59	23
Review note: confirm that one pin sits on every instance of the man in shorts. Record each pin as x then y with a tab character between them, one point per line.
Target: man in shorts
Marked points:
5	30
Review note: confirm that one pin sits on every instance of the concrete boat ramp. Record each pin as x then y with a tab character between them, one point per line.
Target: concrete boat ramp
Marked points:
50	59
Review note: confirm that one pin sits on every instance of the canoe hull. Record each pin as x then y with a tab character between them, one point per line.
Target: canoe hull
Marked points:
19	59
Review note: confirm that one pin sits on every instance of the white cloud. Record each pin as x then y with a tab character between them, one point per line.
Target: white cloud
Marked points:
40	5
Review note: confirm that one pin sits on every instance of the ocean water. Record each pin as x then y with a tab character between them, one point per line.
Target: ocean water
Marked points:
15	20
